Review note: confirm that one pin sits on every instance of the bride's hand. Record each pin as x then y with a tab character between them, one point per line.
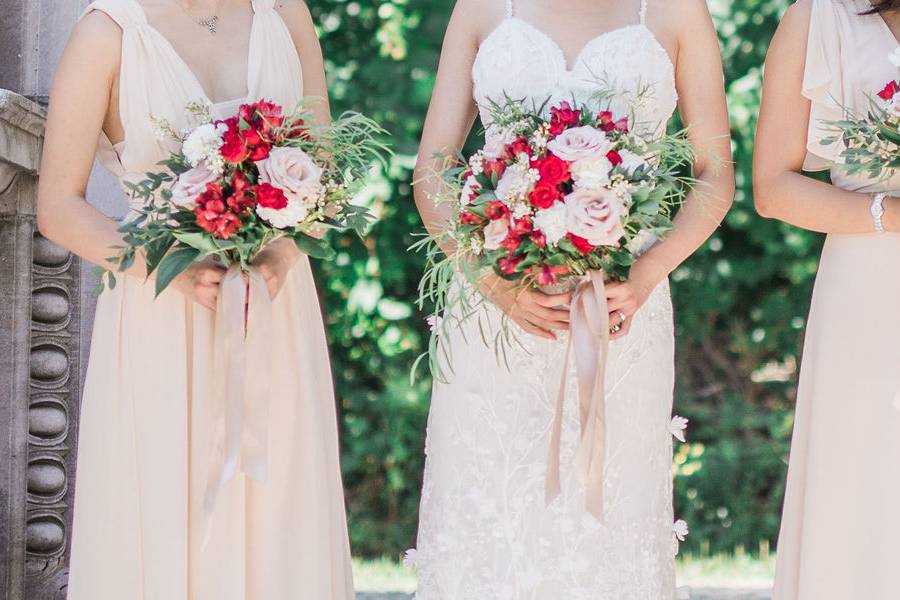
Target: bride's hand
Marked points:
532	310
200	282
275	262
625	298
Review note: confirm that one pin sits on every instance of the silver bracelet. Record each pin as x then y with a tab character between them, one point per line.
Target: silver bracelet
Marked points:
877	211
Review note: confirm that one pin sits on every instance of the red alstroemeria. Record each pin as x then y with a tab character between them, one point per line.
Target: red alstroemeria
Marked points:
518	146
523	226
562	117
608	123
233	149
548	275
256	143
889	90
614	157
496	210
509	264
552	168
512	241
242	198
539	239
544	195
494	167
263	115
270	196
213	215
581	244
470	218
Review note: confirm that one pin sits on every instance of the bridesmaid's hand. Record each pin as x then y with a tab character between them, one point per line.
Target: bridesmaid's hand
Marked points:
625	298
275	262
532	310
200	282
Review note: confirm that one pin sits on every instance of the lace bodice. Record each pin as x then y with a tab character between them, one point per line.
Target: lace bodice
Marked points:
519	61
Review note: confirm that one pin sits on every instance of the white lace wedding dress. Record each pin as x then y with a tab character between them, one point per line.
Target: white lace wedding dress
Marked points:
485	532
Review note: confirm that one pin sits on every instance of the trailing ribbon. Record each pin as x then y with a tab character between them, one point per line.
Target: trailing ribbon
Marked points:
240	401
589	340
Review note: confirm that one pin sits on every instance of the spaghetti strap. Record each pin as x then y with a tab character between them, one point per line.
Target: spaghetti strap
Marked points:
643	12
510	9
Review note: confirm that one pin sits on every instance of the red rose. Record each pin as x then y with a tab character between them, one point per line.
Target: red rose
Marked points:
889	90
494	167
233	149
613	157
552	168
509	264
270	196
544	195
581	244
496	210
562	117
519	146
262	115
605	120
621	125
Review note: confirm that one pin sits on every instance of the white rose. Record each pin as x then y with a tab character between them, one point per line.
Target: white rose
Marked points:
579	143
515	183
495	232
631	161
596	215
591	173
496	142
288	217
190	185
203	143
552	222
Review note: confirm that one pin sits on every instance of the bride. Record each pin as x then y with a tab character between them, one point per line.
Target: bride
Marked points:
142	527
485	531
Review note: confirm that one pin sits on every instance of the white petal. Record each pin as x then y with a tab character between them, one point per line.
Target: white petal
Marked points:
677	427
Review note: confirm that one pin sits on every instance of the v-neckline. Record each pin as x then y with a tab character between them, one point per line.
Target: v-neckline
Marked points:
190	71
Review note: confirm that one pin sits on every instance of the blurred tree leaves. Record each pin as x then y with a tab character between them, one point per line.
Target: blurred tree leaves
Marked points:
741	302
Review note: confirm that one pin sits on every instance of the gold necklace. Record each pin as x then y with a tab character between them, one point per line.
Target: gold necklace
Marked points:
211	22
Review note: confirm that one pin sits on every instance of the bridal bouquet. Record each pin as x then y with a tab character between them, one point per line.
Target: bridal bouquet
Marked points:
871	142
240	183
549	200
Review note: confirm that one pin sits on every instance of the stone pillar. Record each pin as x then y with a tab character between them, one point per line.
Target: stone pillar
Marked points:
40	293
46	310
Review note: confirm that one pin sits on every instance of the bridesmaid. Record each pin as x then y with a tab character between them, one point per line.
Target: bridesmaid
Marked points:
840	535
142	529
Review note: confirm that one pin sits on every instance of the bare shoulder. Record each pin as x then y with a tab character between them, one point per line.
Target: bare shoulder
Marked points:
797	16
296	15
478	17
95	44
679	18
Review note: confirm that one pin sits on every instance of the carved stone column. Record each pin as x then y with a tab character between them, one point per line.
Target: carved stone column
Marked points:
40	351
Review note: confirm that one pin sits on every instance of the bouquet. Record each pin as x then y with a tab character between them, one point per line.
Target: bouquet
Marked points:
871	142
548	201
240	183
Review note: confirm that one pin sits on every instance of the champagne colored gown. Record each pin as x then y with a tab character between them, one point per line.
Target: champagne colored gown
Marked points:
840	535
141	530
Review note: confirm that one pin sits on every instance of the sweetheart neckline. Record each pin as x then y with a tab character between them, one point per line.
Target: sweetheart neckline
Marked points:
560	53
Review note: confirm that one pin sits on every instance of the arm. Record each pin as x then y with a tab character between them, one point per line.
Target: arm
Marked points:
86	79
703	109
277	260
781	191
451	115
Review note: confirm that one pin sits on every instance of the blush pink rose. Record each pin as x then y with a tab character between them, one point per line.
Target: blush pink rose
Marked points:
580	142
294	172
190	185
495	232
596	215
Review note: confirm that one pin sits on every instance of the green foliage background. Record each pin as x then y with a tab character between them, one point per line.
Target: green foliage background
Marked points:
741	302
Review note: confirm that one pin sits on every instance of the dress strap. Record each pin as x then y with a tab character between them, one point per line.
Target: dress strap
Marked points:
126	13
643	12
510	9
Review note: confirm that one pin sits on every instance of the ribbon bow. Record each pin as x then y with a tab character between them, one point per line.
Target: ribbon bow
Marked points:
589	341
240	401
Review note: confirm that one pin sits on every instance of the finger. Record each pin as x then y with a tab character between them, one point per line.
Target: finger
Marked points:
548	314
210	275
551	300
535	330
625	304
617	317
546	324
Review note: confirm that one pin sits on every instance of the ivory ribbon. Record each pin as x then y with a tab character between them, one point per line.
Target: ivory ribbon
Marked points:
240	401
589	341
